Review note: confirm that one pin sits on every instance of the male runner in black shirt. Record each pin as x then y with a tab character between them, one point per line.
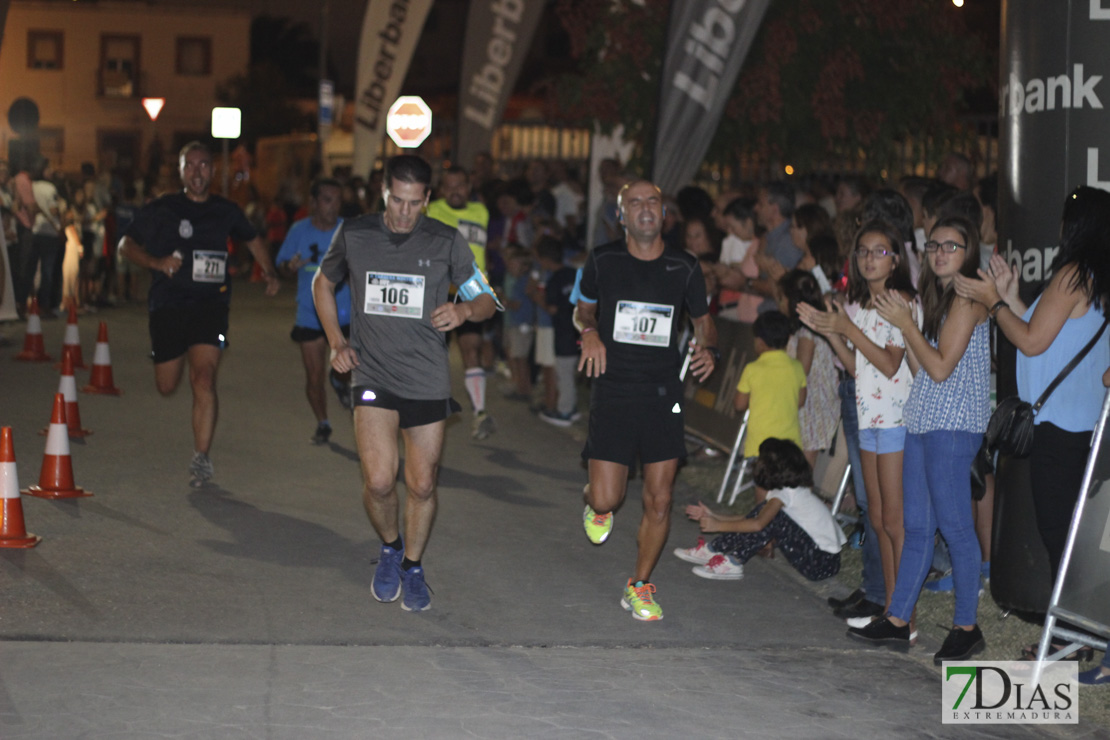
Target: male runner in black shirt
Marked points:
182	239
633	295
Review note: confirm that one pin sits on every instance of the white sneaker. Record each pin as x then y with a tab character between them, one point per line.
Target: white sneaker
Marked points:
700	554
200	470
859	622
864	621
482	426
720	568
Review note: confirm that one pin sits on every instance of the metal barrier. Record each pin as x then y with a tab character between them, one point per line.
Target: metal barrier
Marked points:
712	417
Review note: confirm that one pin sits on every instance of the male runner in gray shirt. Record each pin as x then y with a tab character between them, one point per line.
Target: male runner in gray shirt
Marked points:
400	264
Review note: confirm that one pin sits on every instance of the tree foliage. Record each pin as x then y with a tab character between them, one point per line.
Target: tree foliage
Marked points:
824	79
283	64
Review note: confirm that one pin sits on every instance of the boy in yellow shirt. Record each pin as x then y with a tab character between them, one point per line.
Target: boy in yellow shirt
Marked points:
773	387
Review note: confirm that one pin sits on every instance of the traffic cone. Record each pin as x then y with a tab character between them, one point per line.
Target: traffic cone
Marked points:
33	348
68	388
13	532
56	478
100	380
71	342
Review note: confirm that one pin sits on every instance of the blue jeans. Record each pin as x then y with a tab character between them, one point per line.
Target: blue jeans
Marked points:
936	492
871	579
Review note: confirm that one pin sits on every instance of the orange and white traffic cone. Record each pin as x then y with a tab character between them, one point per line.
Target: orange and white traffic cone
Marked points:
13	532
33	348
56	478
100	380
68	388
71	342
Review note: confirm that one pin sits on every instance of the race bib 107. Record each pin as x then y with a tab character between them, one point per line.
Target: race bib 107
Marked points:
646	324
394	294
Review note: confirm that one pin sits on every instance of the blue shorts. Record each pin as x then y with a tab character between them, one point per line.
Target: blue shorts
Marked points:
882	441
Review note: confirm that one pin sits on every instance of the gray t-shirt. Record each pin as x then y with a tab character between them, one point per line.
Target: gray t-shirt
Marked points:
396	282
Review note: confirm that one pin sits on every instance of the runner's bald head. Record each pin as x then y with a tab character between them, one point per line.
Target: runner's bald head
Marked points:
638	184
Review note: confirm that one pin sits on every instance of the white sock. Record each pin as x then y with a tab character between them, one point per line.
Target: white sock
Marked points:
476	388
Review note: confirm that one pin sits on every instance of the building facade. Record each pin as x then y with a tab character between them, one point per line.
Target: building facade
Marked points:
88	65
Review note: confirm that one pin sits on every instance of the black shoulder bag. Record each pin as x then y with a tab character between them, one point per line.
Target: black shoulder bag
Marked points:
1010	430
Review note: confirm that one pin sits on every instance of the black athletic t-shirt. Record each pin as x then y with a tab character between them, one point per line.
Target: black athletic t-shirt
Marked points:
199	232
559	287
640	309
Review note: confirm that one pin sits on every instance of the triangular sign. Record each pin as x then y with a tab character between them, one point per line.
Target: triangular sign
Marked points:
153	107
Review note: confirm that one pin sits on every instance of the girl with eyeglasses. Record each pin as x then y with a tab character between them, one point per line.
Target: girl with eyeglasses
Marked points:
873	350
946	414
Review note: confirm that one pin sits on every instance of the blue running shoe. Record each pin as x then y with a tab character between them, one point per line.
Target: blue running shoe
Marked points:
386	586
417	598
941	585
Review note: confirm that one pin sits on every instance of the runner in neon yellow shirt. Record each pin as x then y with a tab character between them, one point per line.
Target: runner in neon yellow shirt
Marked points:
475	339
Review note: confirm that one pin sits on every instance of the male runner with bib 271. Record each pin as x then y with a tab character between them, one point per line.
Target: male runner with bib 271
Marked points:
182	239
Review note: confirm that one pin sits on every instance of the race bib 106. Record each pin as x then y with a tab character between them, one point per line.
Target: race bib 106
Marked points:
647	324
209	267
395	294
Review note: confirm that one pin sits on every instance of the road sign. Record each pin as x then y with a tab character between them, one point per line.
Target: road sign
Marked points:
153	107
409	121
227	123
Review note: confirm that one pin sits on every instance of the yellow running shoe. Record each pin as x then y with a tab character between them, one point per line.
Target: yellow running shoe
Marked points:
598	526
639	601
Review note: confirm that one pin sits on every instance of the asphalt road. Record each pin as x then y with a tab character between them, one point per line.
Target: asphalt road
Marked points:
244	611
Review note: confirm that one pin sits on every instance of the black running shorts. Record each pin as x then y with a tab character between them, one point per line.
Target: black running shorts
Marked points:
648	423
173	330
412	413
485	328
301	334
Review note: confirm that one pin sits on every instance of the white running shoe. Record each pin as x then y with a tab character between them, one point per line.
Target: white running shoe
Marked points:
200	470
859	622
720	568
482	426
700	554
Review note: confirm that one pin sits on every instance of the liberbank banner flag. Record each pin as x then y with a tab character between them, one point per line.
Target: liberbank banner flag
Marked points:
390	30
707	41
498	35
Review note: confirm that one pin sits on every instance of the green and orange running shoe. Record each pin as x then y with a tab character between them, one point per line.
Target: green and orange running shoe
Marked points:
638	599
598	526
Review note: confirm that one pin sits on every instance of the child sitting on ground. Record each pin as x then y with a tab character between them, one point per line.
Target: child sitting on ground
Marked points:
773	387
793	516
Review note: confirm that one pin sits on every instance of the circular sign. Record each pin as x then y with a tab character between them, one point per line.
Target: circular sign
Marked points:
409	121
23	116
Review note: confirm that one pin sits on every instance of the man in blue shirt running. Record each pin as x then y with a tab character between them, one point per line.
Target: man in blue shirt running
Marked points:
300	255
